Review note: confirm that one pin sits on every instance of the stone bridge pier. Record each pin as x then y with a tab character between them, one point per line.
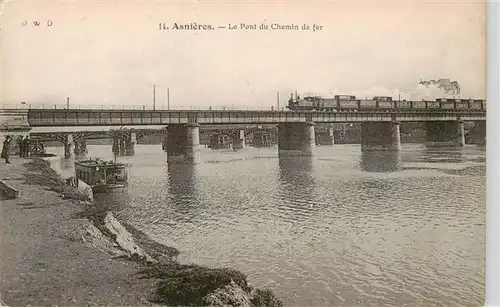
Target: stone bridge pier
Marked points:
325	136
445	134
380	136
69	145
79	144
130	143
182	143
164	139
239	140
296	139
124	142
477	135
74	143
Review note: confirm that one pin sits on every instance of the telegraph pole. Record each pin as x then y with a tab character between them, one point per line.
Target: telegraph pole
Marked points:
168	98
278	98
154	97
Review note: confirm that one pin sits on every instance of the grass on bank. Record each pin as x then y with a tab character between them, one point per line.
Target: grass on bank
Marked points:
38	171
265	298
188	285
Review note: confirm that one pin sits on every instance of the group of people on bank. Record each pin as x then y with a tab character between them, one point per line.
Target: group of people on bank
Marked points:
24	147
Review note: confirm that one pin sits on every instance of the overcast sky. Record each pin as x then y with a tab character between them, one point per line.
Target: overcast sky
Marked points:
112	53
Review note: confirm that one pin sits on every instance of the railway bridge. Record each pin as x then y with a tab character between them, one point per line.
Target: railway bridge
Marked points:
296	135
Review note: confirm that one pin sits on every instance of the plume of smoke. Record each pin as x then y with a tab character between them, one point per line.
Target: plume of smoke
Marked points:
429	92
425	90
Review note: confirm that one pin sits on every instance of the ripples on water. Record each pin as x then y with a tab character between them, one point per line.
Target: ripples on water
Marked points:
341	229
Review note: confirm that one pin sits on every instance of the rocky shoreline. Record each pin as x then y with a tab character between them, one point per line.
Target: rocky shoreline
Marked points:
170	283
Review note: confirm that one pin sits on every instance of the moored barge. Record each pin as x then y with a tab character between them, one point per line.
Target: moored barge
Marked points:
102	176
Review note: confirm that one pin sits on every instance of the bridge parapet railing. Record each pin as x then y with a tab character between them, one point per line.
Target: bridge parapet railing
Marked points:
132	107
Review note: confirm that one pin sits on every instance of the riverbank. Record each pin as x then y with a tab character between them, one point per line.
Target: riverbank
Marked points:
57	249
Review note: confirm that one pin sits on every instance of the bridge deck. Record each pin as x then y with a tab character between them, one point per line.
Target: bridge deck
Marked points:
139	117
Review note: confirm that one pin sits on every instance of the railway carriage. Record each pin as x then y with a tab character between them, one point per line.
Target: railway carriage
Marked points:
326	104
446	104
384	102
344	97
418	105
349	103
403	105
385	105
461	104
368	105
330	104
432	104
476	104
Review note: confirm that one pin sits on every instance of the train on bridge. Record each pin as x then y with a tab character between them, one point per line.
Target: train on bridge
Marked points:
349	103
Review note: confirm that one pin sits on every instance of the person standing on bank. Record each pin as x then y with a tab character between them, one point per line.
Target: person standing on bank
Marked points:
26	146
20	144
6	149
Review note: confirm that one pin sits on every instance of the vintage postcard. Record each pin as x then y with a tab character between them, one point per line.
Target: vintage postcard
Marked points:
259	153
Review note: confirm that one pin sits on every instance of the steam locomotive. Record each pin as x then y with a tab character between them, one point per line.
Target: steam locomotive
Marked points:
343	103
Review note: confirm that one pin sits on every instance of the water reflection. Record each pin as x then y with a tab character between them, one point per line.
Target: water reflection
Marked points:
182	190
380	161
439	155
115	201
295	176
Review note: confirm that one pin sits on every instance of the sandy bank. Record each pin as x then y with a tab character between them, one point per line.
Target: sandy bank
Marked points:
58	250
45	263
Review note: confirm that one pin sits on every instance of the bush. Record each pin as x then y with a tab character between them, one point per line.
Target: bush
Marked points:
265	298
39	172
187	285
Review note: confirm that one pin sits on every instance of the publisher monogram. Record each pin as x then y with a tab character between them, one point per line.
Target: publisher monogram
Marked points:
37	23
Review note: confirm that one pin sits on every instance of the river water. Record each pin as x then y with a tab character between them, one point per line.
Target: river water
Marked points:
340	229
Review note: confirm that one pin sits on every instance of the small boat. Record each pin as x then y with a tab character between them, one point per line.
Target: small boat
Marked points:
102	176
